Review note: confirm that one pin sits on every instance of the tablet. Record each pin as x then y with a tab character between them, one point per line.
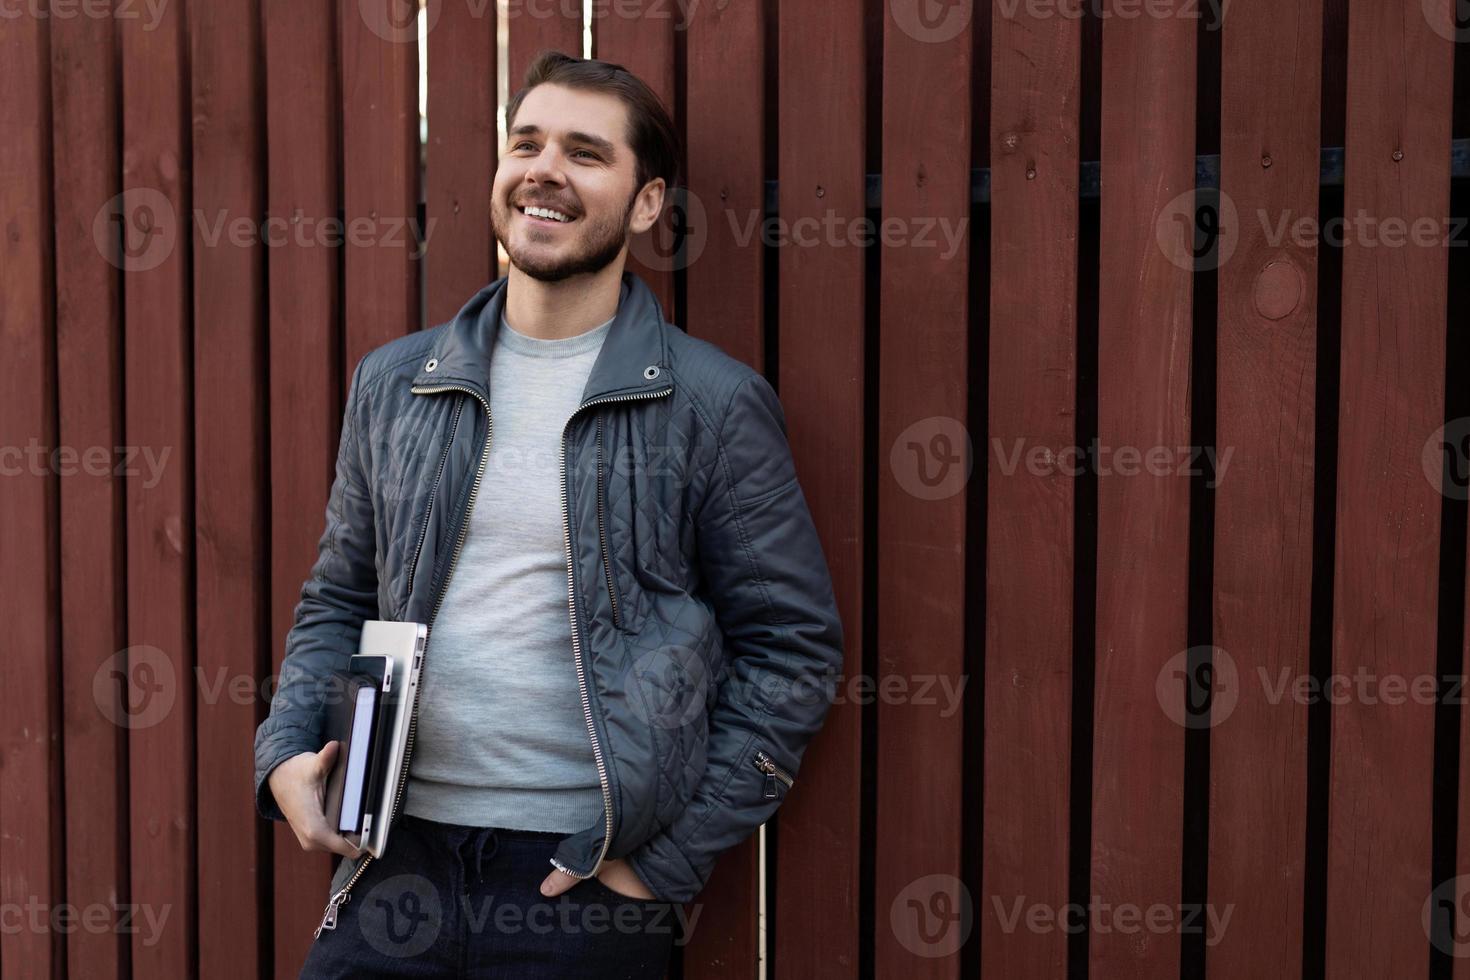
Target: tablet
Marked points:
403	644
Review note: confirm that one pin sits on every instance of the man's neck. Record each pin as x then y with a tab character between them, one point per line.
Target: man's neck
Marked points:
555	310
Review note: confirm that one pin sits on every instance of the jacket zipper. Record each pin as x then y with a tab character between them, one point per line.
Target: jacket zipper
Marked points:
773	772
612	593
329	917
433	491
576	636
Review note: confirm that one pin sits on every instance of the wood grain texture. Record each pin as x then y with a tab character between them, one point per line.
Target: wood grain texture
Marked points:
817	915
303	117
30	734
85	125
1030	554
230	460
158	368
924	464
461	157
1144	326
380	179
1385	587
725	147
1266	416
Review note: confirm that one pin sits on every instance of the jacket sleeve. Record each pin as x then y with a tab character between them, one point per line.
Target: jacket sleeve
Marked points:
771	591
341	593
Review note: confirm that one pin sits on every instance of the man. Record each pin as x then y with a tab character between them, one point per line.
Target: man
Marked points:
631	618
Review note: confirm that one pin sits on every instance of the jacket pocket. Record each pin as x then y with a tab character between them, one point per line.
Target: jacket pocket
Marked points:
775	774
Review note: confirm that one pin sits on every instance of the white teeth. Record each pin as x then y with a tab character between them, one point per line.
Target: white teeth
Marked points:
546	213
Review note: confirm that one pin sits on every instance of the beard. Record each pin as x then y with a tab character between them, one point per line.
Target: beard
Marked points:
600	241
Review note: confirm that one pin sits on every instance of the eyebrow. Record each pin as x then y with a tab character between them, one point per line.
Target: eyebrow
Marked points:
575	136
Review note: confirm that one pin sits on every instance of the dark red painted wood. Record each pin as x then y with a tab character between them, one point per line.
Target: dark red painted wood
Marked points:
231	458
30	781
923	468
816	916
1265	418
640	37
535	26
725	67
459	249
160	518
85	126
303	116
1148	75
380	178
1385	590
1029	560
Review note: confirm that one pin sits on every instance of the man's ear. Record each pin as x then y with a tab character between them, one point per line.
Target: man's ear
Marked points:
647	205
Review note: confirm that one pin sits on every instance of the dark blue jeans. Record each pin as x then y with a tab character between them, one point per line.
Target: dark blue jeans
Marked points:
453	901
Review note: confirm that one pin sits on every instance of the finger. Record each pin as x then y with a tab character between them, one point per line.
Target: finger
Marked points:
339	844
326	758
557	882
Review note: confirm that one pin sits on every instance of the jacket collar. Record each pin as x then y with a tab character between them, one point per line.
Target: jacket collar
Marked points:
633	358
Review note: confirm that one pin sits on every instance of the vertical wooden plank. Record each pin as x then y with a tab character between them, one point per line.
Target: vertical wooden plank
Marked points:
303	107
538	25
1148	79
725	71
230	470
89	390
1034	143
380	147
822	137
638	34
922	911
1266	381
460	251
157	369
1385	591
30	780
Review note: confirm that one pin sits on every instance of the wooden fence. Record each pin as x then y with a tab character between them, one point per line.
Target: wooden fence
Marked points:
1116	346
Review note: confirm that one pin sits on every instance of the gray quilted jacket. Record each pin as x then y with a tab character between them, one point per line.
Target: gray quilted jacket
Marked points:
704	631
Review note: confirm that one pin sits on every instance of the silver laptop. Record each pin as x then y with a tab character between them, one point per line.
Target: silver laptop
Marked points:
404	643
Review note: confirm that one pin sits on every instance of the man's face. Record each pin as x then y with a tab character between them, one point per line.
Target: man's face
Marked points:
567	151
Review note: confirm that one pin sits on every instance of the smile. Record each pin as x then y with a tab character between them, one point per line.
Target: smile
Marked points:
545	214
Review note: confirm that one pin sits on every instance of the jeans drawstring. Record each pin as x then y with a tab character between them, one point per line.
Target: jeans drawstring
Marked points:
480	838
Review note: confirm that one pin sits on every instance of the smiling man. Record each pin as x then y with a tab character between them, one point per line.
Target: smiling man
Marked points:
632	626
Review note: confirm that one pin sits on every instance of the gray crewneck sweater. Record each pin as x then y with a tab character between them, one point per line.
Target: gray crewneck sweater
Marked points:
501	738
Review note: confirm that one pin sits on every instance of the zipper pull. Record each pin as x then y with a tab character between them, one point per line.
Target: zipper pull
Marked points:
329	918
770	786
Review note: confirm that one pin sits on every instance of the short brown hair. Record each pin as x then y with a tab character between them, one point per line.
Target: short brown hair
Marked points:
651	131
